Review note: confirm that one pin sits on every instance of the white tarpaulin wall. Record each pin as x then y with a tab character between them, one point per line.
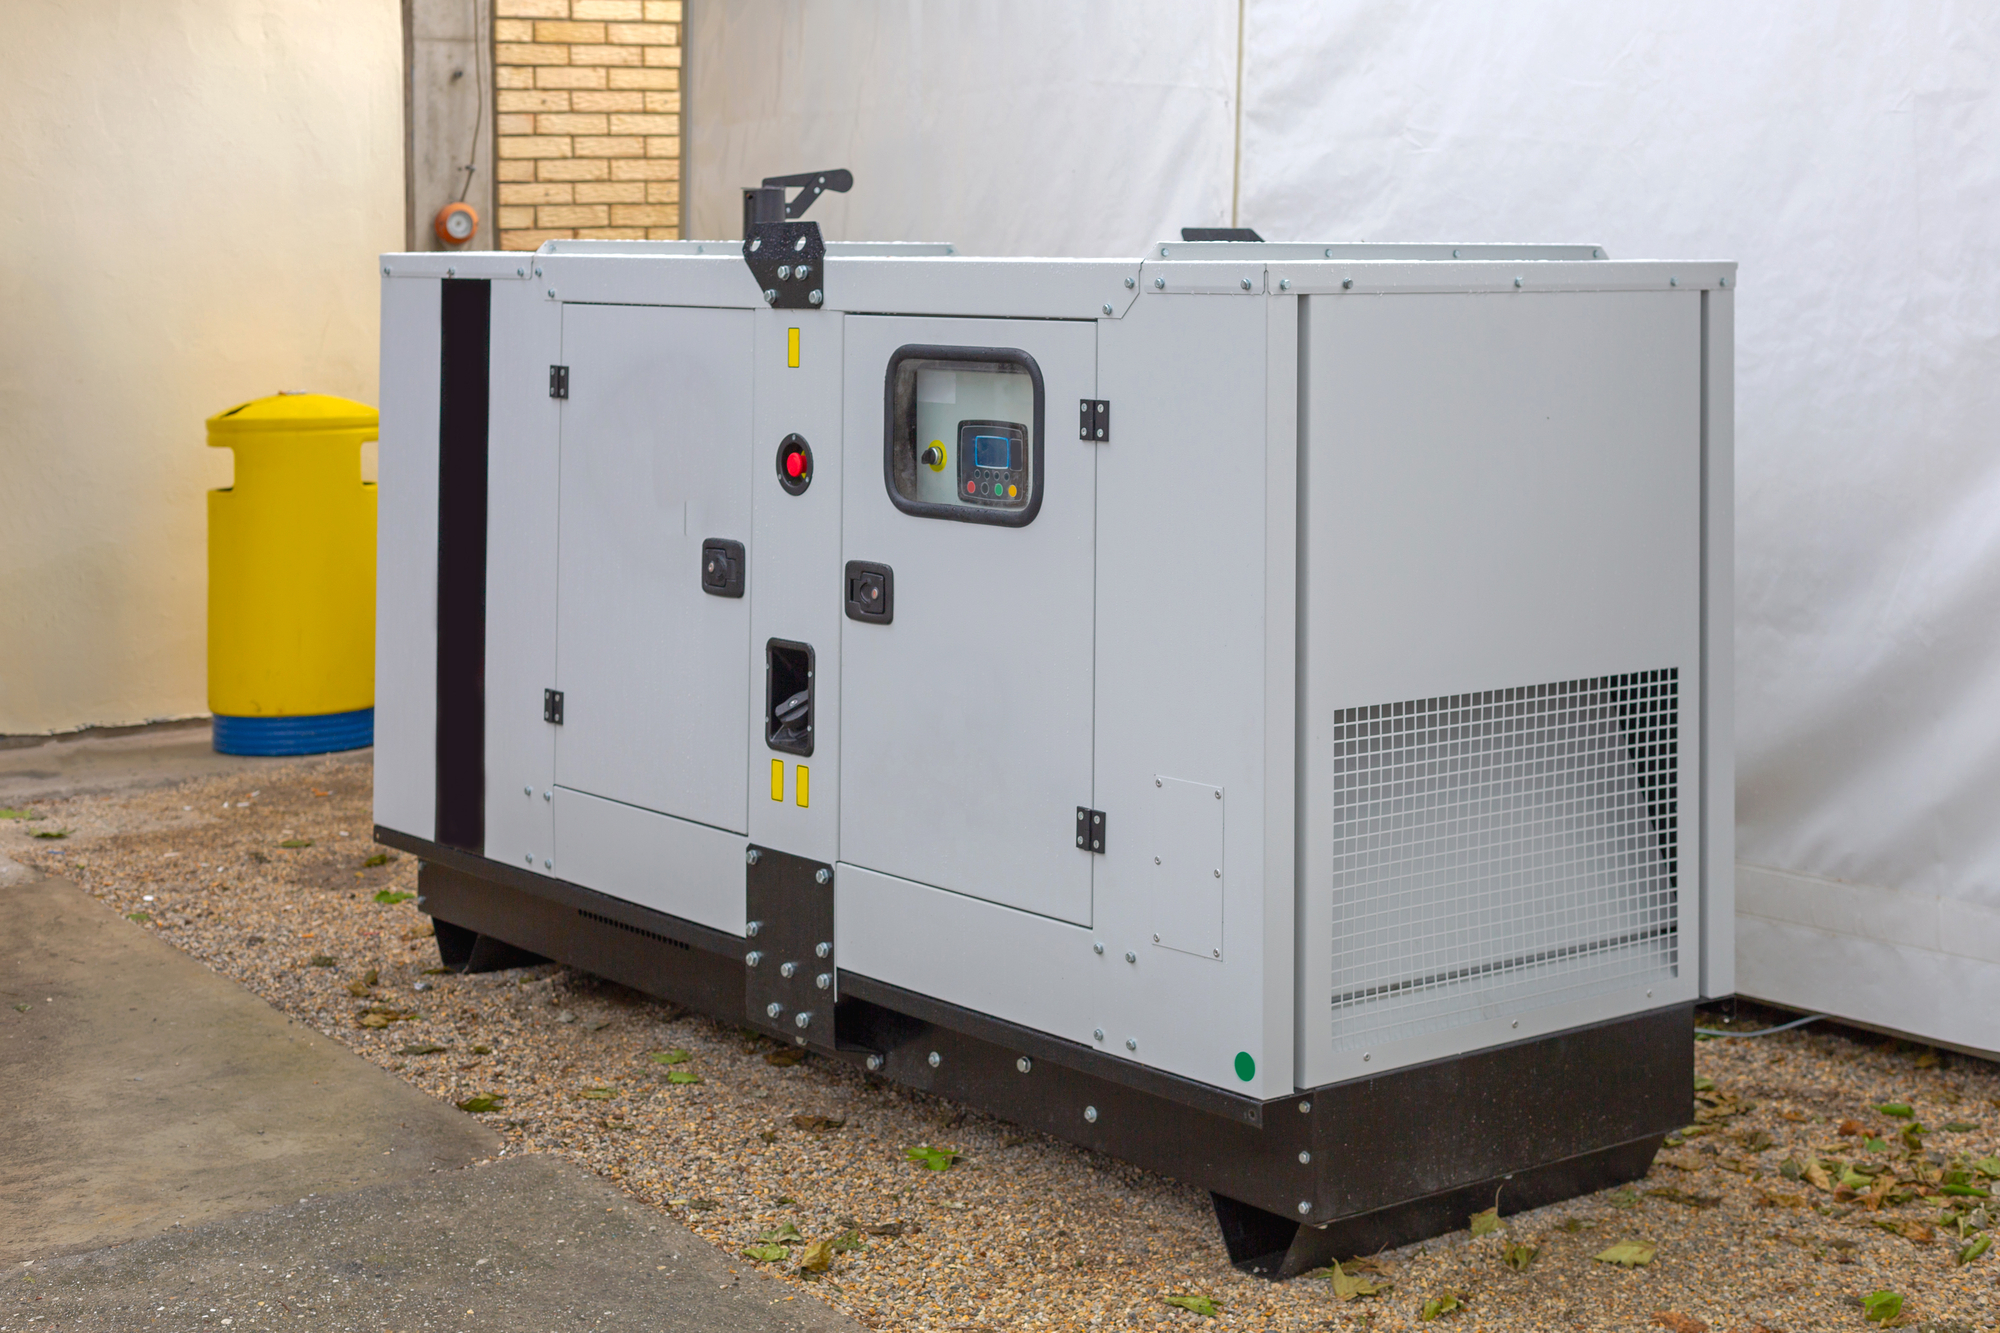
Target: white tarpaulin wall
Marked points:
1844	155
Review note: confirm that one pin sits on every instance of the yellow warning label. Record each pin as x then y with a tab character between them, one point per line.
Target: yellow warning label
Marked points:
777	779
792	348
805	783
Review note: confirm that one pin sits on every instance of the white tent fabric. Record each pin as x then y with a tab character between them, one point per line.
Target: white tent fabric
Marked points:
1842	154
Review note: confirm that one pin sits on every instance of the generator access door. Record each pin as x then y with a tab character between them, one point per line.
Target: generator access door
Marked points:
969	527
653	625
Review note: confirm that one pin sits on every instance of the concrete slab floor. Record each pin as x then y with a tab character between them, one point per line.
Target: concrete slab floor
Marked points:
174	1153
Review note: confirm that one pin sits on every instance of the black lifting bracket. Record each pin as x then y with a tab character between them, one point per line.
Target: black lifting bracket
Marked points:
788	257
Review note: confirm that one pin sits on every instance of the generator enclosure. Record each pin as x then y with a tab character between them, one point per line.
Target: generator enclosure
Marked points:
1258	710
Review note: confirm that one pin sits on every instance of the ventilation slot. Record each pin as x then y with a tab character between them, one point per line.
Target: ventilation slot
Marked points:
1501	852
635	930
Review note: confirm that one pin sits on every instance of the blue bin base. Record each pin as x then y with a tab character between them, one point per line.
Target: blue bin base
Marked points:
317	733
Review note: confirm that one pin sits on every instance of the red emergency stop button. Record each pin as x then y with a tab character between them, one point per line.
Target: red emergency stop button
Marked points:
795	464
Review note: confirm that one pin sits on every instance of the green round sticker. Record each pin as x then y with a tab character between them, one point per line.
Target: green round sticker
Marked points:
1246	1068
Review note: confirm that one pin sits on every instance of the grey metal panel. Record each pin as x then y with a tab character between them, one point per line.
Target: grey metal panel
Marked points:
966	723
522	483
497	265
1283	424
1718	648
656	456
1182	829
1213	276
1275	251
637	279
990	288
795	571
1503	490
1184	587
406	561
1354	278
1020	966
671	865
834	249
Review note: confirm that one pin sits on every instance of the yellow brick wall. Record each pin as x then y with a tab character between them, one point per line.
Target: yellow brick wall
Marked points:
587	132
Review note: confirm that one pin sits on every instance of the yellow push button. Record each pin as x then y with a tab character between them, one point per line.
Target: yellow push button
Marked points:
805	783
777	779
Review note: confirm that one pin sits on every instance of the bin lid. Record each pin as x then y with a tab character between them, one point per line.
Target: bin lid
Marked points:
294	412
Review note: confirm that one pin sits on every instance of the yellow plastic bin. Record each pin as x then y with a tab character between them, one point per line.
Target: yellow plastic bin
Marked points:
291	578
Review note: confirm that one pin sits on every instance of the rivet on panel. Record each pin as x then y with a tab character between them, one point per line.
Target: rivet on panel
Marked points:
547	795
1160	283
1673	282
1284	284
1097	1034
1365	1057
527	791
1156	938
1131	957
1097	946
1131	1043
1107	307
552	293
1246	284
548	864
1131	282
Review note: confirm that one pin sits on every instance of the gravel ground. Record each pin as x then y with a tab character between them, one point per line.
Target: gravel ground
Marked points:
1792	1197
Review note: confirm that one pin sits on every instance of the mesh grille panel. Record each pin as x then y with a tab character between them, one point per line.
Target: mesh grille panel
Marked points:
1502	851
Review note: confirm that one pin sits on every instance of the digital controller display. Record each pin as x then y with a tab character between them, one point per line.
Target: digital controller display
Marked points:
990	451
992	463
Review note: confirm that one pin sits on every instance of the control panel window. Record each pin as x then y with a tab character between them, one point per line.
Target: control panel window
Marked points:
964	434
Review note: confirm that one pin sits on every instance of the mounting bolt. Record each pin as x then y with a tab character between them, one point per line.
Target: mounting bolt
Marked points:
1217	953
751	928
1305	1108
1097	946
822	949
1160	283
754	957
1305	1207
773	1009
527	791
1129	282
548	795
1131	1043
1218	872
1329	252
1516	1023
520	273
1131	957
1107	307
1024	1064
552	293
1673	282
1346	283
784	271
1246	284
529	859
1305	1159
804	1019
1284	284
451	272
538	272
753	856
788	970
548	864
1366	1057
770	295
1517	282
1218	796
1097	1033
814	296
1722	282
1090	1115
802	271
824	980
935	1059
822	875
1156	936
385	271
874	1062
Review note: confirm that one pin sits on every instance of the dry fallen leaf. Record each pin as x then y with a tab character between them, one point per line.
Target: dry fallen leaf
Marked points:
818	1256
1676	1322
1627	1254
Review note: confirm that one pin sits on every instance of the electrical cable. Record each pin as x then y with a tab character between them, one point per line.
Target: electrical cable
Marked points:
478	107
1763	1032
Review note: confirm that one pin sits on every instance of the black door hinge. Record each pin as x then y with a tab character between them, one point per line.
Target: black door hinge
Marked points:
1093	420
1090	829
552	706
558	381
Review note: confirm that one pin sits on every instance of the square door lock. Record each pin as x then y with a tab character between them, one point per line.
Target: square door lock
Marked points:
871	592
722	567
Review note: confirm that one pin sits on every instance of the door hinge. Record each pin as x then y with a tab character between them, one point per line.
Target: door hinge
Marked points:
552	706
1094	420
1090	829
558	381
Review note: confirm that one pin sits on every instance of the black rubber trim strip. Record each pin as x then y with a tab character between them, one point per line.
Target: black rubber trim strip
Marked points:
1041	1046
464	340
705	938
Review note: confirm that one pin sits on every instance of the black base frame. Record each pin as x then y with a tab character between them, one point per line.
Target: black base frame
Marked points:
1345	1169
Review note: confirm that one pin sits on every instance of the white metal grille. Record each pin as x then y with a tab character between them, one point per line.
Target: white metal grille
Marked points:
1502	851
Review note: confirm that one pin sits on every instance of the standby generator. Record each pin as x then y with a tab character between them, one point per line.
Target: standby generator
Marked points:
1260	711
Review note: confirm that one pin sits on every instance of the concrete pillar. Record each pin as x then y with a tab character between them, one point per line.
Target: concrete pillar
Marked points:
447	117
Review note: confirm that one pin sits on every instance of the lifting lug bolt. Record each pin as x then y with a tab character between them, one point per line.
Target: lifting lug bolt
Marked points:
752	927
1090	1115
1305	1207
784	272
752	856
1305	1158
824	980
814	296
874	1062
1024	1064
822	875
773	1009
822	949
936	1059
788	970
754	957
803	1019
